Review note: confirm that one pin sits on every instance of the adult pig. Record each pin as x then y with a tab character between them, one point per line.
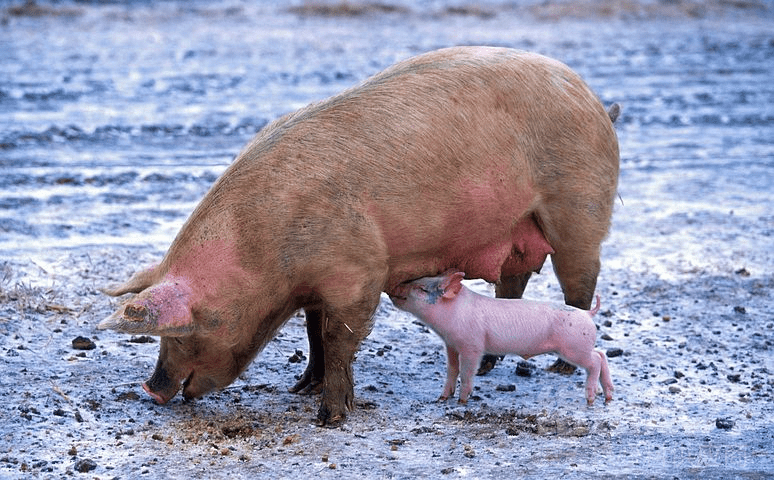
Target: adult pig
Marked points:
472	324
480	159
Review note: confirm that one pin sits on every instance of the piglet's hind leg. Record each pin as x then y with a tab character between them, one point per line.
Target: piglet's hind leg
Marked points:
604	377
593	366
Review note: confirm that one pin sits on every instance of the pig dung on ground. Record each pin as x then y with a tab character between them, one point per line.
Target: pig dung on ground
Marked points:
472	324
480	159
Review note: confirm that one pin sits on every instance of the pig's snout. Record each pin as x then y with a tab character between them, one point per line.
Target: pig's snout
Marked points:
161	387
160	399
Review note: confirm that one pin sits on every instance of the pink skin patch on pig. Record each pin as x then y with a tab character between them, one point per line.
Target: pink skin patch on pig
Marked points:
208	274
530	248
470	233
165	305
525	251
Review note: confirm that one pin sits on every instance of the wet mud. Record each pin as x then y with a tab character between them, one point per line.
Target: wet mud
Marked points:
116	117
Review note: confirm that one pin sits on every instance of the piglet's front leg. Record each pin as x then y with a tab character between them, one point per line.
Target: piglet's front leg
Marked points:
468	367
452	372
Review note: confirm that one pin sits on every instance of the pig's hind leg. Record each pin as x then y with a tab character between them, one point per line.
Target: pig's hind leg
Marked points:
576	234
592	363
604	377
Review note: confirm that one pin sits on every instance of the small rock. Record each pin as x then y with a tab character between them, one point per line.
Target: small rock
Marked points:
743	272
740	309
142	339
83	343
524	369
606	337
73	451
614	352
669	381
506	388
85	465
679	374
422	429
724	423
469	452
674	389
296	357
127	396
734	377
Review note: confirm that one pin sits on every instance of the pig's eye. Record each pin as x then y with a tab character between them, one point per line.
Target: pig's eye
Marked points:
424	289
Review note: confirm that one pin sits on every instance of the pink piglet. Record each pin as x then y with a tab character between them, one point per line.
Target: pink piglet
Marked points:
472	324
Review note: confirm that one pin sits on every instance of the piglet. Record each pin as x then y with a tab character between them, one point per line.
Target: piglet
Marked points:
473	324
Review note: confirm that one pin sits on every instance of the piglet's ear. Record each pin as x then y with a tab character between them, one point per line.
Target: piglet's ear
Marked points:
452	285
163	309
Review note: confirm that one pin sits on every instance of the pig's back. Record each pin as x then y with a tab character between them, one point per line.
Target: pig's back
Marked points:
441	155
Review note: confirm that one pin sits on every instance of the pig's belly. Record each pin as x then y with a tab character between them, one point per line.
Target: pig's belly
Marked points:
524	250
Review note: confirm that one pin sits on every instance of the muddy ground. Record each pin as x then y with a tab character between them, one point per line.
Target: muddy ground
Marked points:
115	117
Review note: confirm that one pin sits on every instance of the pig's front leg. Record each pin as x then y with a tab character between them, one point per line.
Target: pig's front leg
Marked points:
311	382
342	332
452	372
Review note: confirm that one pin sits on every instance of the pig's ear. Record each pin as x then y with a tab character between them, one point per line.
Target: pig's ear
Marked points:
452	285
139	282
163	309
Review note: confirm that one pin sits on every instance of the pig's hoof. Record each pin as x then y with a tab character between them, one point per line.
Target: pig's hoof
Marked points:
311	387
308	384
562	367
488	362
328	420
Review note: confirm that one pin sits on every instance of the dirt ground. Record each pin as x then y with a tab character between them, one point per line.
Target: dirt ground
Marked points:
686	284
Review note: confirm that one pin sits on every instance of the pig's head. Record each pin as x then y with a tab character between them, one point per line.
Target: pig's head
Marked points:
420	295
190	354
